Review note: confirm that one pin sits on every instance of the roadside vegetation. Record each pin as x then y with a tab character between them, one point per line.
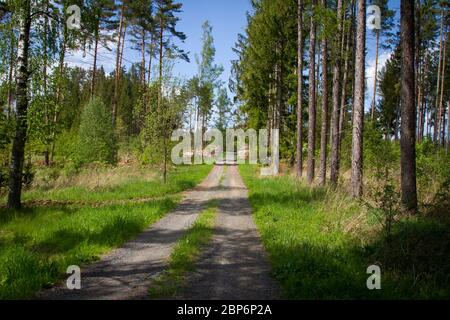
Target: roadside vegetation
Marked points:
321	242
38	243
183	258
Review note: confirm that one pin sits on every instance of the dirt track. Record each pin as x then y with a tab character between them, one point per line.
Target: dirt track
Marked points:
234	265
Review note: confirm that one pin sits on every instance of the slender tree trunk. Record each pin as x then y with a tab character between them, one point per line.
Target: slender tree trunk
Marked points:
343	108
300	89
45	81
358	110
10	75
375	76
334	156
408	128
161	43
118	70
419	109
437	120
150	59
94	68
312	99
143	64
18	147
324	130
441	99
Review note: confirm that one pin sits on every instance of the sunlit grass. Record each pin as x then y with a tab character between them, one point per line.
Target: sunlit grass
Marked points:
38	244
133	187
321	242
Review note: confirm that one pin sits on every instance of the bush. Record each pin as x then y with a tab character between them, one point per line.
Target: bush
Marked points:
96	138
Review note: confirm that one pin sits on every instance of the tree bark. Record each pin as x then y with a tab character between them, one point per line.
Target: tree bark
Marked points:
441	99
312	99
358	110
375	76
437	123
343	107
118	70
45	80
150	58
161	43
10	74
300	89
334	156
94	68
18	147
143	64
408	117
324	130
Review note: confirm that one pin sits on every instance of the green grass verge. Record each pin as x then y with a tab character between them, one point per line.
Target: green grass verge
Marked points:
38	244
179	179
184	256
320	244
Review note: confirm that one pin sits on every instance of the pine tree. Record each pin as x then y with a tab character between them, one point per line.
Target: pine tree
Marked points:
408	114
358	108
334	155
312	97
300	49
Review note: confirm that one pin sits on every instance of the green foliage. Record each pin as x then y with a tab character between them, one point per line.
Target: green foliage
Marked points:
33	256
380	155
320	244
96	139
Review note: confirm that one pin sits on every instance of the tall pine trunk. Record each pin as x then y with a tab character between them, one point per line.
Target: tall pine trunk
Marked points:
161	45
300	89
358	108
312	98
18	147
334	155
343	108
324	129
437	123
375	76
118	70
441	98
408	115
94	68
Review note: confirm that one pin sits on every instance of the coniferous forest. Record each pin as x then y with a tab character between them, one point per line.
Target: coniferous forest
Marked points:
91	94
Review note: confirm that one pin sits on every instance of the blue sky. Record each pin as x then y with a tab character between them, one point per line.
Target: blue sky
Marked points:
228	18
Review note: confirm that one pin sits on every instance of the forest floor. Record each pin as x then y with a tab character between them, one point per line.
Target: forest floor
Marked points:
74	220
272	237
321	242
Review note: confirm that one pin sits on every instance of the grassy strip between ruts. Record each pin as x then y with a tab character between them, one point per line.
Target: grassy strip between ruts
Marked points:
321	242
185	255
38	244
